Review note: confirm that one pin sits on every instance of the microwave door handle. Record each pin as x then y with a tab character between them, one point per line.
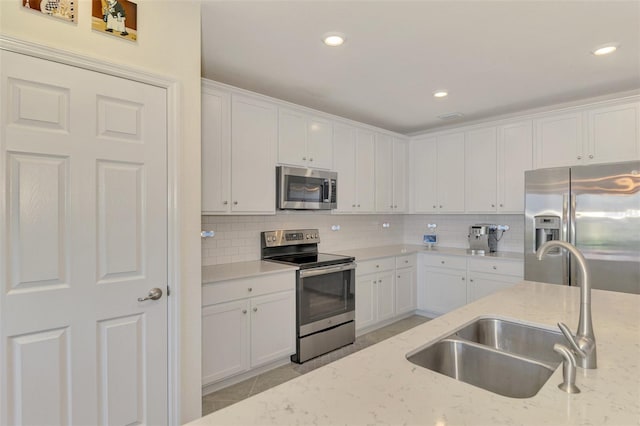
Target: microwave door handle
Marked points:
327	185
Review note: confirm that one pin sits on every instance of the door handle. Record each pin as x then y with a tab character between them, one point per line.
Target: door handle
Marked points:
154	294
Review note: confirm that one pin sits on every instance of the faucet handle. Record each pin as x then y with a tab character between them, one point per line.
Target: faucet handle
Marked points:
568	369
572	339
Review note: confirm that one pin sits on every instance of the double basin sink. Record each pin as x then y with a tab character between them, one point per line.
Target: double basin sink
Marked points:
508	358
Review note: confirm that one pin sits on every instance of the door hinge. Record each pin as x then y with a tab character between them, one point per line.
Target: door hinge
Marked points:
168	291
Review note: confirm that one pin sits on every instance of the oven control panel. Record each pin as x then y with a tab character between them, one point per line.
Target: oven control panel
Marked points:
290	237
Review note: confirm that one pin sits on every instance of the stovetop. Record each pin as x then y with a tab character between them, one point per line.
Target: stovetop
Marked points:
312	260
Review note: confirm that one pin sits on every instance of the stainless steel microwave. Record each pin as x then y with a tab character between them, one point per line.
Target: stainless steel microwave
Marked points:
305	189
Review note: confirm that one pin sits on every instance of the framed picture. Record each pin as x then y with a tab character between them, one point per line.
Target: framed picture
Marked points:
61	9
118	18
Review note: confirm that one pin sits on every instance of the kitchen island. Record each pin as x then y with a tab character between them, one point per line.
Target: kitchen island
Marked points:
379	386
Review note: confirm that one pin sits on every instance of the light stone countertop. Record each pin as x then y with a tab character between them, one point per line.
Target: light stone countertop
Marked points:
231	271
370	253
379	386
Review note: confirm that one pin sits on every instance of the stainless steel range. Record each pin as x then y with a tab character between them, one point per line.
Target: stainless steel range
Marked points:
325	291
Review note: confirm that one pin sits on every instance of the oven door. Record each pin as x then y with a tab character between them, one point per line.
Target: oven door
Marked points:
326	297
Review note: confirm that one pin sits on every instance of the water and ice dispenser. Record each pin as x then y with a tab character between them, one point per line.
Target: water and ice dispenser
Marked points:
547	229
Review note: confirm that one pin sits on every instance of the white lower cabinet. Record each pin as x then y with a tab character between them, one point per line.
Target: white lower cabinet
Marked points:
449	282
385	289
246	323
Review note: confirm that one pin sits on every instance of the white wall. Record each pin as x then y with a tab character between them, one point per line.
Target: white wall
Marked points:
238	237
168	45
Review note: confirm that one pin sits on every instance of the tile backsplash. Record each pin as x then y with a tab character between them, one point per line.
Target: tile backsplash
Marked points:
237	238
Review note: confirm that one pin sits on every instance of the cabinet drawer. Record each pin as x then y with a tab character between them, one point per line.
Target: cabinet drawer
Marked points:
493	266
406	261
247	287
454	262
376	265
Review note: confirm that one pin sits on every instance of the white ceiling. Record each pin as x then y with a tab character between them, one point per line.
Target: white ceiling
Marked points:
494	57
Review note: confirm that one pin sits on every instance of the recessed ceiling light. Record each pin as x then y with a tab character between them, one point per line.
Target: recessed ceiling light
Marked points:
605	49
333	39
440	94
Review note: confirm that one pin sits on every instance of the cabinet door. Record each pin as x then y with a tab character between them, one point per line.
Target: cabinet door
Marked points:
445	289
614	134
481	284
384	173
292	138
344	160
216	151
405	290
450	178
365	300
423	171
386	295
515	156
480	171
399	176
320	143
225	340
365	171
559	140
254	130
272	327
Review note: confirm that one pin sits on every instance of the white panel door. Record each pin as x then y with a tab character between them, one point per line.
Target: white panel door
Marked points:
292	138
272	327
386	295
405	290
559	140
366	300
84	235
445	289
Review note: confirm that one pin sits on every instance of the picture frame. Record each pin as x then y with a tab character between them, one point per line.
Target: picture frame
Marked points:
118	18
60	9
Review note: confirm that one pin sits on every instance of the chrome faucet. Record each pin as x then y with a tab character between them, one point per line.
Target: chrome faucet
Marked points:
584	342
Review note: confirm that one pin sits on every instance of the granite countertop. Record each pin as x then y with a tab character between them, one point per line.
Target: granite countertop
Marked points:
231	271
379	386
370	253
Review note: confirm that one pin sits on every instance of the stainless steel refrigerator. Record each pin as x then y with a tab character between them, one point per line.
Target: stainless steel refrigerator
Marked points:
597	209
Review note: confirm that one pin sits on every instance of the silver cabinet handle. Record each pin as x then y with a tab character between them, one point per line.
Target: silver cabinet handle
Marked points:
462	278
304	158
235	203
591	156
495	267
471	280
434	207
255	309
395	207
501	205
493	205
441	206
310	159
442	261
579	157
250	289
353	205
406	261
225	202
154	294
244	311
358	205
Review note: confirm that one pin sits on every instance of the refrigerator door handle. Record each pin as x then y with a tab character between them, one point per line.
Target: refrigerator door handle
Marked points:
572	222
566	235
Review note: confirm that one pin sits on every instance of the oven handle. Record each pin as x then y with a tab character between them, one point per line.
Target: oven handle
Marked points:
326	270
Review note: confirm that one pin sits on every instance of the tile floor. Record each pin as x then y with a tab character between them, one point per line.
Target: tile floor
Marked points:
235	393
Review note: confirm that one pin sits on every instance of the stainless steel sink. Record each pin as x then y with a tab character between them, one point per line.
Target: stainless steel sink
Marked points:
499	372
504	357
519	339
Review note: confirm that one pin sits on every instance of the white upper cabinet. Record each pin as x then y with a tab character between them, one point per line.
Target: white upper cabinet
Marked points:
384	173
304	140
254	130
424	161
216	151
438	174
596	135
365	171
614	134
239	135
480	148
515	156
400	175
344	162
